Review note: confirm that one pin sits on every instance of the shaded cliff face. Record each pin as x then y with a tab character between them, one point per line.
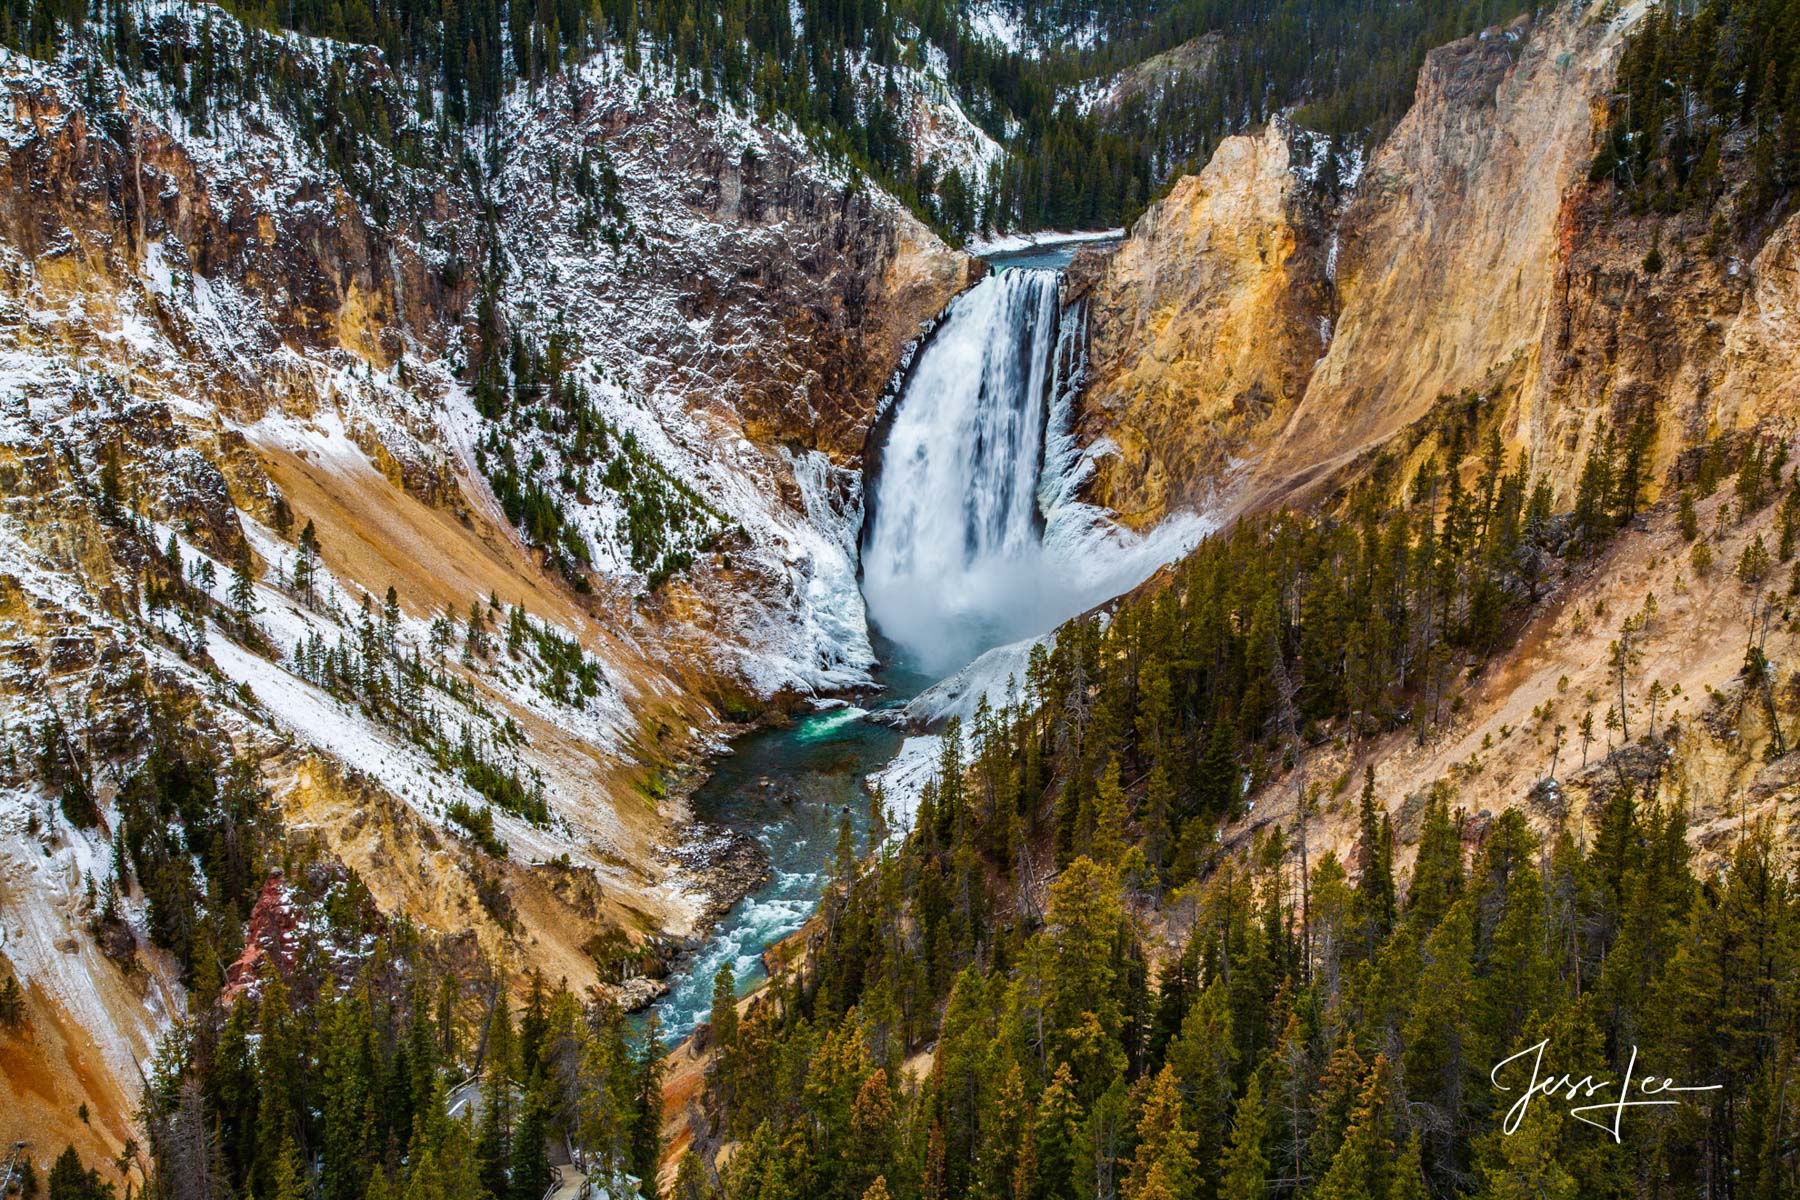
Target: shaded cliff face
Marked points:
99	194
1204	325
1449	248
1705	343
767	288
738	316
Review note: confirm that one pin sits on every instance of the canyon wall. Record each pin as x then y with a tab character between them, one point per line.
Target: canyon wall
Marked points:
1204	325
1260	336
1261	340
210	340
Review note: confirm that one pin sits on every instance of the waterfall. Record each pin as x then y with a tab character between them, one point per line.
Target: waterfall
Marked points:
973	536
952	538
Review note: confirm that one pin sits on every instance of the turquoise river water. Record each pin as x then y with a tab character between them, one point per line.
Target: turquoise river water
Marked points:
785	787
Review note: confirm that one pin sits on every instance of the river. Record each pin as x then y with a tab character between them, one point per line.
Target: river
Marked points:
785	787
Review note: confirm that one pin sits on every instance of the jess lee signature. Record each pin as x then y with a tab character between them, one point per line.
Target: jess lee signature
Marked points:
1648	1092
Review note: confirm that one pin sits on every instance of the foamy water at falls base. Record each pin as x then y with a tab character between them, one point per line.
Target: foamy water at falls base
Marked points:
974	537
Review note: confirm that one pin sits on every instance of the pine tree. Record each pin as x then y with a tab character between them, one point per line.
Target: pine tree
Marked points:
1523	1165
1054	1132
290	1177
12	1003
1159	804
112	481
878	817
278	1078
1164	1164
1687	518
646	1118
1375	900
381	1186
1519	974
873	1133
724	1008
843	860
1217	789
534	1029
1359	1169
1109	817
442	1162
604	1090
348	1066
1755	563
691	1182
306	562
1084	1012
243	582
390	619
962	1075
1245	1167
529	1169
1437	877
1204	1057
1408	1182
69	1180
493	1139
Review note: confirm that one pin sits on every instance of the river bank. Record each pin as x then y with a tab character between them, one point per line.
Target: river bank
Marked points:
765	823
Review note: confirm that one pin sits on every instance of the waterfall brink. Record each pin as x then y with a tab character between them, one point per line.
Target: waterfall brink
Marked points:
973	535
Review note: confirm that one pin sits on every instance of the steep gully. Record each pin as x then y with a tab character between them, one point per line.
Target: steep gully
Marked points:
972	538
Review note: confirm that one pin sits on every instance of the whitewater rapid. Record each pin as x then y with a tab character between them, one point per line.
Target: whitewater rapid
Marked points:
974	536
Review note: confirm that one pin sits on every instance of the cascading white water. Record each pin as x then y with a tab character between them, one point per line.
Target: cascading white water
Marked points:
951	552
974	537
954	525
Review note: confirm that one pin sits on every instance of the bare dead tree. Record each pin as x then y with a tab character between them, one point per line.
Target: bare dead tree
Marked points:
1287	688
185	1145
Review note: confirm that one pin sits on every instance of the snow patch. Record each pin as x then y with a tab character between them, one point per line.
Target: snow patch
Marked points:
1012	243
903	780
998	676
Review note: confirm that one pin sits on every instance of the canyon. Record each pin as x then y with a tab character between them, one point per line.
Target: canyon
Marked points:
895	455
255	348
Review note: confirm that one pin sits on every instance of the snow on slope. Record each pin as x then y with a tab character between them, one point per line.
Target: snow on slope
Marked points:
1013	243
998	677
660	361
252	334
941	132
1003	24
998	23
902	781
253	339
162	336
109	343
43	878
652	366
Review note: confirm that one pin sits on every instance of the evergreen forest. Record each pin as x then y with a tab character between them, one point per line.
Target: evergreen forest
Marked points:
1065	982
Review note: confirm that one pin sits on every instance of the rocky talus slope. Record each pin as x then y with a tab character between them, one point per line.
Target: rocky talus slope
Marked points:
209	340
